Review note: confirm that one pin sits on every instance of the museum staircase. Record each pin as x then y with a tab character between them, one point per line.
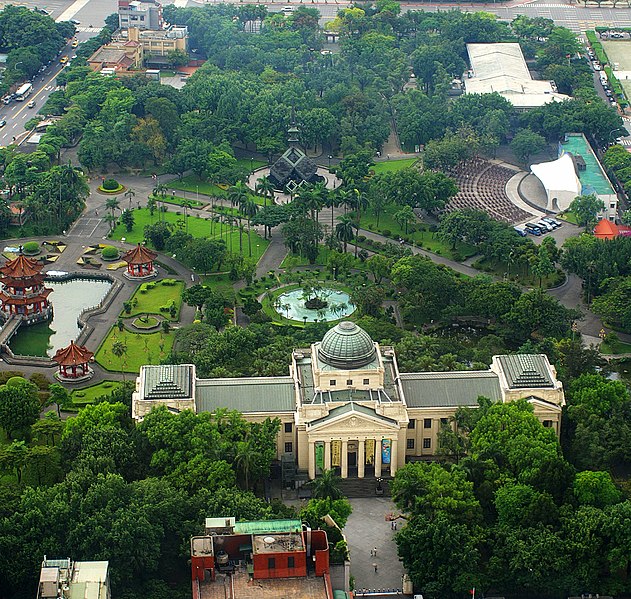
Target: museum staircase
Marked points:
364	487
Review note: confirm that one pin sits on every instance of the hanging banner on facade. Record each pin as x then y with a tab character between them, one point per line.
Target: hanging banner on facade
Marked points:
319	455
336	453
370	452
385	451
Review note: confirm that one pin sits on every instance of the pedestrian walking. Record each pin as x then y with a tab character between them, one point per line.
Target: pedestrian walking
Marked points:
375	567
395	526
374	551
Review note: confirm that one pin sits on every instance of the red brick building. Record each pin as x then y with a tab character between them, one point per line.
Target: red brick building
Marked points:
260	560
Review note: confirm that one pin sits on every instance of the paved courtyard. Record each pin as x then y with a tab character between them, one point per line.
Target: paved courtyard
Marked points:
367	528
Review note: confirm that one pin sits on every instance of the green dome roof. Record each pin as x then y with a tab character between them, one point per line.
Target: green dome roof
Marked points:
347	346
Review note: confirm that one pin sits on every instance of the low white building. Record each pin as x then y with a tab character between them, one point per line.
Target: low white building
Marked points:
502	68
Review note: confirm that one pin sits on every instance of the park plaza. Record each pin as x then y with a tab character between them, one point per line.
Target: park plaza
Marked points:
346	406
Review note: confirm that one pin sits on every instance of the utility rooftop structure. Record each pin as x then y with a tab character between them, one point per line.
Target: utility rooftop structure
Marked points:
65	579
502	68
144	14
346	406
260	560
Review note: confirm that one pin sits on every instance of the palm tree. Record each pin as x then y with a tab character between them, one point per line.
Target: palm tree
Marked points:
265	188
186	204
151	205
237	193
112	204
245	460
119	349
130	194
327	486
345	229
161	190
110	219
249	208
332	202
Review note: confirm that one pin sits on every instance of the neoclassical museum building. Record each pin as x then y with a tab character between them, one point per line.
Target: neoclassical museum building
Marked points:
345	405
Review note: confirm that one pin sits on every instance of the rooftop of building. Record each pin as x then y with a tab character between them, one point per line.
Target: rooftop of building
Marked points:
593	178
72	355
167	382
21	267
108	55
308	587
449	389
139	255
277	543
526	371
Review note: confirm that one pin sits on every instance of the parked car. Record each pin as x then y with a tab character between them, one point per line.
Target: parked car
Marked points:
533	229
2	123
544	226
521	232
552	221
75	21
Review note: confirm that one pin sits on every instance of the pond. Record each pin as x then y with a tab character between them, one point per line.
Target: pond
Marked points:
291	305
69	298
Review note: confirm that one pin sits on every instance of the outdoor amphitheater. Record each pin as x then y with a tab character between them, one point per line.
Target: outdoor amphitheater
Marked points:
496	188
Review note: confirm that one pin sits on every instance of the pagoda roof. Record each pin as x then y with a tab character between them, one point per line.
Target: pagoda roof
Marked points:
139	255
34	280
21	267
605	229
73	355
21	300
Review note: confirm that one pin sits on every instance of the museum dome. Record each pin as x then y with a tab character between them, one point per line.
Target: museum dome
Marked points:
347	346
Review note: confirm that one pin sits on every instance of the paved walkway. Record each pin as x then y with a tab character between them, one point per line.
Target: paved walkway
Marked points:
367	528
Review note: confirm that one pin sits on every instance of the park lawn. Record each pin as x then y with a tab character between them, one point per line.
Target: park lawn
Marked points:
294	260
197	226
615	347
219	282
250	164
422	237
568	216
150	301
177	201
142	348
193	184
89	394
388	166
518	273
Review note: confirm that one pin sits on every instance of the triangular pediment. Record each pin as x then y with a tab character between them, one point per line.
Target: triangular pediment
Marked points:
352	419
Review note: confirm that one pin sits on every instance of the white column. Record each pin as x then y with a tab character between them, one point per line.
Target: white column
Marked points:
393	456
312	472
344	459
361	458
327	455
377	457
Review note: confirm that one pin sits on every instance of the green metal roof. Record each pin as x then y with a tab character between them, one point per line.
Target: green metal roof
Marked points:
260	527
449	389
526	371
347	346
255	394
593	177
349	408
168	382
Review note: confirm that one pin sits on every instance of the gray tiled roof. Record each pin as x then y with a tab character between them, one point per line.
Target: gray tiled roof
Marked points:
449	389
168	382
256	394
349	408
526	371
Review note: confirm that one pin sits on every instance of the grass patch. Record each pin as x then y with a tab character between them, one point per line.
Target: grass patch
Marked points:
142	348
151	301
197	227
389	166
219	282
418	233
193	184
148	322
178	201
111	191
89	394
251	164
294	260
615	347
568	216
518	273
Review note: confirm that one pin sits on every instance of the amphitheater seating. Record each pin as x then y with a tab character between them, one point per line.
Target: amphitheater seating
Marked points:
482	186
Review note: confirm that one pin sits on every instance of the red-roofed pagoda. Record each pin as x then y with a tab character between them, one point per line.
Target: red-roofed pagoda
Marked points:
73	362
23	292
140	263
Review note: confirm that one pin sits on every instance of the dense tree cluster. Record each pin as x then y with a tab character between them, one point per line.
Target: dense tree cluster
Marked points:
516	514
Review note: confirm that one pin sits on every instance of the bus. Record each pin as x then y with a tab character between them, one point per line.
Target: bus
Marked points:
24	92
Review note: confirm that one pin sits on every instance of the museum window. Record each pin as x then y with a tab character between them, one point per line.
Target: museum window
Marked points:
427	443
349	382
291	562
289	427
289	447
271	563
547	423
366	381
427	423
444	421
412	423
332	383
410	443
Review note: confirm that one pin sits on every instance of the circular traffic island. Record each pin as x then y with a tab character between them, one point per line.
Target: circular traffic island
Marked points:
110	186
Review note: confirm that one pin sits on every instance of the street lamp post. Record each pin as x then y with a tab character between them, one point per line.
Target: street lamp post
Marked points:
330	158
197	194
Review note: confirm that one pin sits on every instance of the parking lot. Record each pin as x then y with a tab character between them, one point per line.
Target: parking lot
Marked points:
85	227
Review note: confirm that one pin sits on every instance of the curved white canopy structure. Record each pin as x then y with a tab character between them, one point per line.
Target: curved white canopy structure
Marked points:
560	180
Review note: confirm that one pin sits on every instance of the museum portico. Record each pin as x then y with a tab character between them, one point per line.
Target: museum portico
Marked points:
346	406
